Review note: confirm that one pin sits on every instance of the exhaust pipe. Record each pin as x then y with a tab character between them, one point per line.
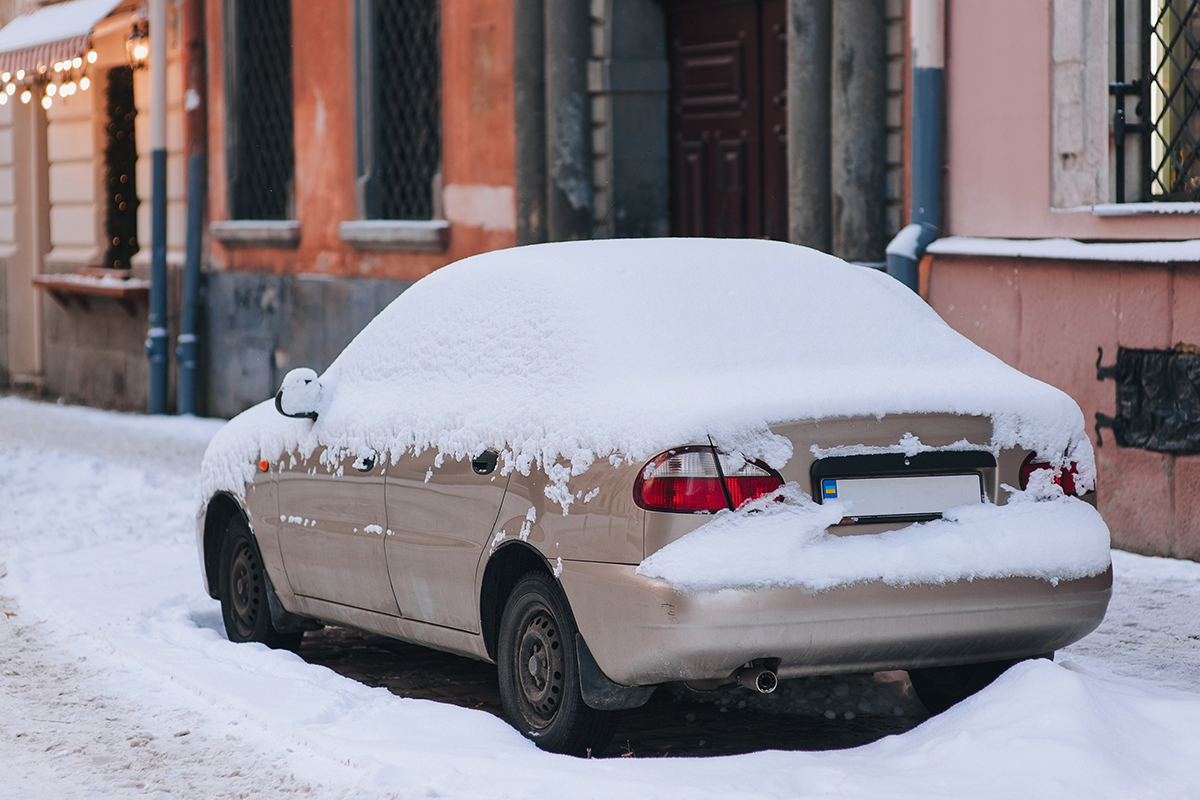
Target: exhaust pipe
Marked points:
759	678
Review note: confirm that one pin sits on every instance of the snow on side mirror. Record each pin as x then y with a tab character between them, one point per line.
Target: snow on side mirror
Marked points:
299	394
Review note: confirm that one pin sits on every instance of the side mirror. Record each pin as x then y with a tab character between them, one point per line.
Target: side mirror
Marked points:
299	394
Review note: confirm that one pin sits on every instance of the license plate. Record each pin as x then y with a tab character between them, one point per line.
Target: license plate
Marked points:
903	496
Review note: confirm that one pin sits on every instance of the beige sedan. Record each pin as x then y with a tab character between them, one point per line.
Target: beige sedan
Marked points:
554	537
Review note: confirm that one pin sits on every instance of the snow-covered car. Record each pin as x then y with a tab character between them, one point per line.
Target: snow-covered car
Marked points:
609	465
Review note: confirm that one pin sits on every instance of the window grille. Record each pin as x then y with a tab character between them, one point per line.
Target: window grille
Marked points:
120	170
260	149
1168	95
400	130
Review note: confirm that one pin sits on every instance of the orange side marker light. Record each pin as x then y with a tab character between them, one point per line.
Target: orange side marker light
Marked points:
264	465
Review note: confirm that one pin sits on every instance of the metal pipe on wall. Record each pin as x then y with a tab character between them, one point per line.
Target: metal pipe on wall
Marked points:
904	253
570	198
195	124
157	345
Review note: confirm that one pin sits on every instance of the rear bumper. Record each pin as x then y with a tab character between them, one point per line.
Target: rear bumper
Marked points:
641	631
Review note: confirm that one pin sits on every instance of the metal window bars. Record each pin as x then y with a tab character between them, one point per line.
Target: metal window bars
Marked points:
400	143
1168	94
260	148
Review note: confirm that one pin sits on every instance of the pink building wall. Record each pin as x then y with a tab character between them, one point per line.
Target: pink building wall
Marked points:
1047	317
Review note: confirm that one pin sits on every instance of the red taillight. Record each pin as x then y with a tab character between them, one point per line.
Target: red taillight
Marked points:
688	480
1065	478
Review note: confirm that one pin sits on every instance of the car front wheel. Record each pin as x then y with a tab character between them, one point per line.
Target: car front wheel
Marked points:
243	592
539	672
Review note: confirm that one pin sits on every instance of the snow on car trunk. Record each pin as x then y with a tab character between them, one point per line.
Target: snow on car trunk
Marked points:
558	355
782	541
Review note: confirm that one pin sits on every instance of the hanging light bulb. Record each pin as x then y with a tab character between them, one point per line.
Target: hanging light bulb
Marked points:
3	99
84	83
91	56
58	66
5	77
10	89
51	89
20	74
46	101
76	62
25	95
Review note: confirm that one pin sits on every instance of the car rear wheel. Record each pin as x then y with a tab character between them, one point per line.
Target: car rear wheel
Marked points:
539	672
243	592
939	688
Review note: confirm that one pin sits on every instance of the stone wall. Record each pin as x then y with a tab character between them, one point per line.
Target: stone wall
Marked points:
259	326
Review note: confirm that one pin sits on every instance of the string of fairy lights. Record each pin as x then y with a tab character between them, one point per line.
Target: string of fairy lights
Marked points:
61	79
69	76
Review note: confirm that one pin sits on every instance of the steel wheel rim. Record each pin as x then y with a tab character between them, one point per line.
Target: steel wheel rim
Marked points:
244	589
540	667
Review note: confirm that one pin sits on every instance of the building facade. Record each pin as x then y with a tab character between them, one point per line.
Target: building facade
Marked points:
1072	214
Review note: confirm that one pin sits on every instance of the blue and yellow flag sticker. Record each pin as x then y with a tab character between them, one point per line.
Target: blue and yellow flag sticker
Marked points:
829	489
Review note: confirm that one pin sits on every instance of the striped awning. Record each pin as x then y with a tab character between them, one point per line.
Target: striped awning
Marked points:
53	33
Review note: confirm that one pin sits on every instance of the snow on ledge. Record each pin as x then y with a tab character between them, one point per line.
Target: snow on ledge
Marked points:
1069	249
769	544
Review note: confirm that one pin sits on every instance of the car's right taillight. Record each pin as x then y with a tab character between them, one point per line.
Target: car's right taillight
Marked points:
689	480
1065	477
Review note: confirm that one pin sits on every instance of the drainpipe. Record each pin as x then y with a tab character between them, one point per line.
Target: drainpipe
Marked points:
195	123
529	107
927	19
157	344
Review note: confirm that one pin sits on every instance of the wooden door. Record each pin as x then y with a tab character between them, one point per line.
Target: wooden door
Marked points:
728	118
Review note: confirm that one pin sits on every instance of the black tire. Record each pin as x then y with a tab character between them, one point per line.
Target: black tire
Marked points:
939	688
539	672
242	588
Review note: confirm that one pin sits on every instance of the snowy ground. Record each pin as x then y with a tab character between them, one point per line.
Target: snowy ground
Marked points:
116	681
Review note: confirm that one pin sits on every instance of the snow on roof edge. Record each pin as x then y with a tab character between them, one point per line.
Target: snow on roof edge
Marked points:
54	23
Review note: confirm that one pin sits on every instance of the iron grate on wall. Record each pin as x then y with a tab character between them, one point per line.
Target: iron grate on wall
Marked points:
259	87
401	133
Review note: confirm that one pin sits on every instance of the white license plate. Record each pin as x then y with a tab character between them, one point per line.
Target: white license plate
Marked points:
918	495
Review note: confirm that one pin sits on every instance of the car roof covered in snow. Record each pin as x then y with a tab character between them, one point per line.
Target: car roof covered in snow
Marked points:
561	354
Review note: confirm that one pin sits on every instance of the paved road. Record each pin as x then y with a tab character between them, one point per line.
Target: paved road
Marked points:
674	722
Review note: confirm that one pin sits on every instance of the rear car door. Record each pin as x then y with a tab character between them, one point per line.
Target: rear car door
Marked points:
440	518
332	527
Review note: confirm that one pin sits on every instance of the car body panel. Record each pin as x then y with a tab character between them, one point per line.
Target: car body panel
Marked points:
440	520
332	528
642	631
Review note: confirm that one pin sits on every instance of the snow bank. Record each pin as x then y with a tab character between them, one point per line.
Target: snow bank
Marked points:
775	544
558	355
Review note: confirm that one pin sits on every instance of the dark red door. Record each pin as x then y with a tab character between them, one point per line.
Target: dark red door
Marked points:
728	118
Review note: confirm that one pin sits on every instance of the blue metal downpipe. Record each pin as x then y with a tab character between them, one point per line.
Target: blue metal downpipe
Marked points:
185	352
157	345
927	150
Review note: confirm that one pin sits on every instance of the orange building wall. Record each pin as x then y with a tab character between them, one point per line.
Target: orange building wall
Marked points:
477	139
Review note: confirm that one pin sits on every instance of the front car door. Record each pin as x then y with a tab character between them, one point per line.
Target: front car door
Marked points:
332	528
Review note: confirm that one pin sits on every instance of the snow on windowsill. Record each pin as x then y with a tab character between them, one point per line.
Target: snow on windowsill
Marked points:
1069	249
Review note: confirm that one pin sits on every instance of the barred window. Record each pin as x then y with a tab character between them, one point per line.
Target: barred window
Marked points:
400	131
120	169
259	147
1173	39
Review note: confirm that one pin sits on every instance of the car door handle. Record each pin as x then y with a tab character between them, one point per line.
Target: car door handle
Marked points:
365	463
485	462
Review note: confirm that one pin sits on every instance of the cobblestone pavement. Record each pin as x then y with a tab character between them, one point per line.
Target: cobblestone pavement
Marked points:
674	723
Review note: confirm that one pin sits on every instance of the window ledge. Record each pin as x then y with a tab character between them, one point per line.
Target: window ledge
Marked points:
414	236
256	233
1140	209
1070	250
